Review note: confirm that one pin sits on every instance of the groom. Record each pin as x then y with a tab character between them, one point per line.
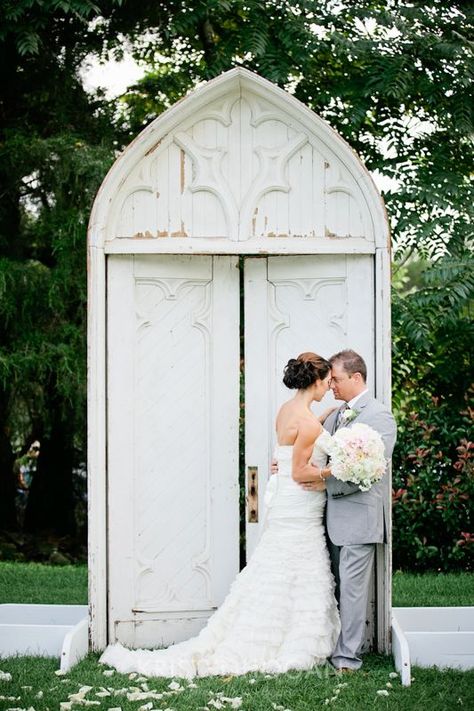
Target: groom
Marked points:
356	520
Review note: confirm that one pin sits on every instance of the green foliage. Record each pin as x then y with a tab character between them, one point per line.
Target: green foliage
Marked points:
433	482
433	331
43	297
395	79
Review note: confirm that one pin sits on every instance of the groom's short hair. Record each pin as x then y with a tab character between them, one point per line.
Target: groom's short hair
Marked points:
351	361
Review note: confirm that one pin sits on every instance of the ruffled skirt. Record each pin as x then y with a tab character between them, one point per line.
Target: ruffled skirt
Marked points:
280	614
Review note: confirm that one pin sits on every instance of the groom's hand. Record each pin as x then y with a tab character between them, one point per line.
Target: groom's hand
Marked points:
313	485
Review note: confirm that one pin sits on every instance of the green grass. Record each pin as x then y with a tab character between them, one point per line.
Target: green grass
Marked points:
39	583
432	589
298	691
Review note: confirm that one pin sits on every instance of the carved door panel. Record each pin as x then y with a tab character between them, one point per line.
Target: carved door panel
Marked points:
173	403
294	304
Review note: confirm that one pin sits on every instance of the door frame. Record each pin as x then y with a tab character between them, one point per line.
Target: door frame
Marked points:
97	412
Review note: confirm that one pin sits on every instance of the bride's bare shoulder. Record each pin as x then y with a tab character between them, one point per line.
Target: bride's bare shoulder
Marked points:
309	427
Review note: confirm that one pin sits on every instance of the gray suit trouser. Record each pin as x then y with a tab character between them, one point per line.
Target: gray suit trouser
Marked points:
352	567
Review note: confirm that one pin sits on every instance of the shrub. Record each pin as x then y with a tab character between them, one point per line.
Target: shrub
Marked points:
433	486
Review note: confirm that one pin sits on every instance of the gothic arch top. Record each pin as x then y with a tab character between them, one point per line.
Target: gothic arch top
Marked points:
239	162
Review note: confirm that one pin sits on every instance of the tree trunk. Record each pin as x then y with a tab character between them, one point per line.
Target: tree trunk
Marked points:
8	519
51	502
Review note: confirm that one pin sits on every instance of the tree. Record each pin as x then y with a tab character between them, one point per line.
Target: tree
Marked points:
55	145
394	78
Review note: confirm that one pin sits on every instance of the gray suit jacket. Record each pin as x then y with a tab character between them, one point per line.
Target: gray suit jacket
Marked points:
354	516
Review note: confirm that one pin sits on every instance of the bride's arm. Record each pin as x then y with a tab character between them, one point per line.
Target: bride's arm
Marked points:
302	469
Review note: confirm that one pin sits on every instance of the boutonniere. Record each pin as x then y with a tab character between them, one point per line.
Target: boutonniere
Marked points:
348	415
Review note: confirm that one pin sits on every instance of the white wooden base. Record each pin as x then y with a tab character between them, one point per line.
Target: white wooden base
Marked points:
44	631
432	636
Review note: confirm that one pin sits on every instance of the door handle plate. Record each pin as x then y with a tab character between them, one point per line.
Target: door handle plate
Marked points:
252	494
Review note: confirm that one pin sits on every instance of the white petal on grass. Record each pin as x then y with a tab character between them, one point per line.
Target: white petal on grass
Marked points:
109	672
393	675
85	689
146	707
192	685
144	695
60	672
252	681
5	676
86	702
382	692
27	688
175	686
39	695
389	685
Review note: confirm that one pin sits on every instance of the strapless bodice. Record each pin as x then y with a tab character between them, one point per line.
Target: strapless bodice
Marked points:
286	500
284	454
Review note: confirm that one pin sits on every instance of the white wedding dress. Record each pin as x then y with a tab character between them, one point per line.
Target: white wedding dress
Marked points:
280	612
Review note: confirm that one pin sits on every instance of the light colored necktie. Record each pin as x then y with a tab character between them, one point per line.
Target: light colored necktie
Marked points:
340	414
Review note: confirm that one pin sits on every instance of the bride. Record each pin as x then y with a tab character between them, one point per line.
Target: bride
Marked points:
280	613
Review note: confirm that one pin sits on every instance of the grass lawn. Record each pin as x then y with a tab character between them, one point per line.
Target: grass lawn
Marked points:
34	684
298	691
39	583
432	589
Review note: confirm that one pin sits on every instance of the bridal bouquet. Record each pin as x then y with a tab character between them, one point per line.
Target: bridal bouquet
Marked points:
357	455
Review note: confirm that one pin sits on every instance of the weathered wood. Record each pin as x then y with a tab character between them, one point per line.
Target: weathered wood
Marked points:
237	168
173	403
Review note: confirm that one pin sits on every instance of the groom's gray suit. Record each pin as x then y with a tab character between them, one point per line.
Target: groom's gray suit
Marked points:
356	521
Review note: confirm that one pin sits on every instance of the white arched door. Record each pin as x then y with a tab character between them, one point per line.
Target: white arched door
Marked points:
237	227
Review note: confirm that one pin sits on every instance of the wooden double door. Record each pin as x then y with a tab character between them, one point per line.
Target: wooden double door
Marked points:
183	335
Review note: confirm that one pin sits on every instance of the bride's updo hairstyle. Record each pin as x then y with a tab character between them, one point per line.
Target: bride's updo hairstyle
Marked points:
301	372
